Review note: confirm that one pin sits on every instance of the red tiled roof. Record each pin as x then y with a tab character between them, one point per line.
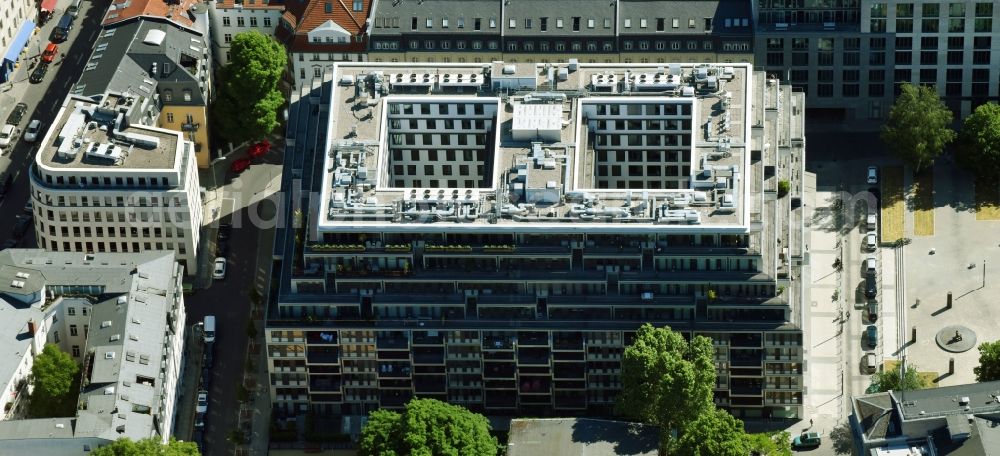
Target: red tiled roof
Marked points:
306	16
123	10
246	4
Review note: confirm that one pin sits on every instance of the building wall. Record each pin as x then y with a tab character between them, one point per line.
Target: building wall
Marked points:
852	69
67	218
308	65
12	16
173	117
226	25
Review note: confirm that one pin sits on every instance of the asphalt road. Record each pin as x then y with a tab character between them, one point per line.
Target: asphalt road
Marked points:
229	301
44	100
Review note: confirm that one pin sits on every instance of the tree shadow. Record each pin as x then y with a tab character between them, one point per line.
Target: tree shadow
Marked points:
627	438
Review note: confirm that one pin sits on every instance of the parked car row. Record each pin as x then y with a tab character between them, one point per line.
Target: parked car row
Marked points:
869	267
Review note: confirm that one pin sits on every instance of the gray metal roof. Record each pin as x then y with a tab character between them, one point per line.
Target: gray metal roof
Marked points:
122	62
127	326
928	403
395	17
685	11
565	10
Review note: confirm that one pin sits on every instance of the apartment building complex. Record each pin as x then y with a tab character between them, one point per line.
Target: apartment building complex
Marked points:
849	57
492	234
104	182
160	50
315	32
17	25
121	316
593	31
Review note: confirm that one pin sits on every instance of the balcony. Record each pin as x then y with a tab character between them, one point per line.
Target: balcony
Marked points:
324	383
495	400
427	338
745	358
569	400
498	342
396	340
394	398
745	340
533	356
428	355
322	337
393	370
322	355
534	338
498	370
429	384
536	385
569	370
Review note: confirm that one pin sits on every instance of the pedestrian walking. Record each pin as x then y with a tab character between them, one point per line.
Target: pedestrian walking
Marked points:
810	422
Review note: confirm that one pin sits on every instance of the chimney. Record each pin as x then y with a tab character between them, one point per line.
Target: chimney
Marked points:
31	327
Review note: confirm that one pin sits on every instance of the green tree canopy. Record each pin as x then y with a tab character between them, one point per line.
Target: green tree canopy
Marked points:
249	97
427	427
666	380
989	362
979	141
770	443
891	379
842	439
147	447
53	372
713	433
918	126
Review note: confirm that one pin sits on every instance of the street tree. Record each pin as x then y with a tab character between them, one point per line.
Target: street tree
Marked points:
713	433
989	362
666	380
842	438
147	447
894	380
979	141
918	126
770	443
427	427
249	97
53	375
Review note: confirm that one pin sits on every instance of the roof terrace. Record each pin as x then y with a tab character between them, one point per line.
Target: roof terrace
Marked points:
86	134
596	147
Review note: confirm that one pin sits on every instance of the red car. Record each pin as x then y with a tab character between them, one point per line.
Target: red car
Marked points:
259	149
50	52
240	165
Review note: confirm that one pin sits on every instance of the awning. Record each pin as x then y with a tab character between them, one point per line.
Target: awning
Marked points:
48	5
17	45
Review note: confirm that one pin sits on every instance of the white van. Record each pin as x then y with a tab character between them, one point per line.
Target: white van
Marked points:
209	328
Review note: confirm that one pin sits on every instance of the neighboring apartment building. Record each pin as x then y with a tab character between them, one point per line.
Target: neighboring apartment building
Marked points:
316	33
593	31
492	235
850	59
164	44
17	26
121	316
960	420
104	182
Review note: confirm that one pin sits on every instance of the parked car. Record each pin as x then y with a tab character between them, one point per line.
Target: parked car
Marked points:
7	134
209	356
21	225
199	421
34	128
239	165
222	249
872	311
50	53
219	270
871	264
807	440
206	378
870	363
202	406
38	75
872	174
871	336
17	114
61	32
871	242
871	286
871	221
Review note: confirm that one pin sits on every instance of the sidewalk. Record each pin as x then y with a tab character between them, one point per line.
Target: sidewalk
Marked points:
12	91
